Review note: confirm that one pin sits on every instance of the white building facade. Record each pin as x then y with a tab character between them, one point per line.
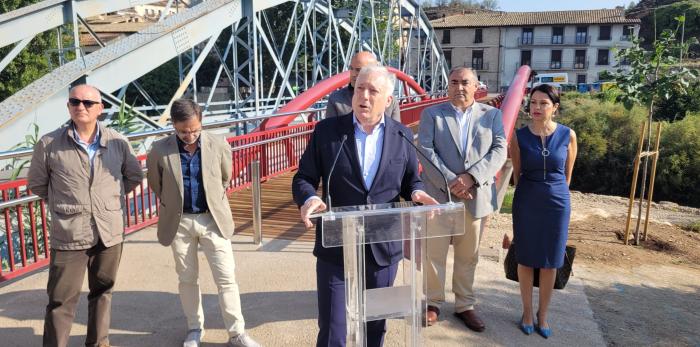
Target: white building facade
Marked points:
580	44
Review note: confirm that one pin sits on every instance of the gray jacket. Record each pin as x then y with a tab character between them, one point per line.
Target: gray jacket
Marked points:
60	174
486	153
340	104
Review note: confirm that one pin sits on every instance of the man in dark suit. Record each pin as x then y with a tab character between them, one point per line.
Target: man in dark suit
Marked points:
375	166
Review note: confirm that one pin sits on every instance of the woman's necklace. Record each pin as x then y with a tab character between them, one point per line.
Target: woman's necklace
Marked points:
545	154
544	138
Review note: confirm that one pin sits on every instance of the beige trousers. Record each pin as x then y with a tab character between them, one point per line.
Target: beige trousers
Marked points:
197	230
466	256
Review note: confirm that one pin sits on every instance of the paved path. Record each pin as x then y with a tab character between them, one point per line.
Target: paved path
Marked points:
277	286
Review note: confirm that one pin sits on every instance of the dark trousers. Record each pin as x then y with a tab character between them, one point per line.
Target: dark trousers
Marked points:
330	282
66	273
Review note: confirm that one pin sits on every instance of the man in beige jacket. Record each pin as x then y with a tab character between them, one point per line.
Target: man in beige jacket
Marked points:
83	170
190	171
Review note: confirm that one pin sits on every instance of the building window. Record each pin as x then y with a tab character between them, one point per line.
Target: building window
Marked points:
478	60
445	36
557	35
555	63
581	35
580	59
627	33
581	79
527	37
448	58
603	57
478	35
525	57
604	33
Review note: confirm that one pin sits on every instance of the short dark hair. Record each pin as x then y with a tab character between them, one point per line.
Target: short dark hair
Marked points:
184	109
551	92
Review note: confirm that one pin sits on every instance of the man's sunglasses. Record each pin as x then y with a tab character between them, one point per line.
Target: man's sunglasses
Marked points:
88	103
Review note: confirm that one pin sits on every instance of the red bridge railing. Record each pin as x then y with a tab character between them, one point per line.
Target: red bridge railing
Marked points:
278	149
26	223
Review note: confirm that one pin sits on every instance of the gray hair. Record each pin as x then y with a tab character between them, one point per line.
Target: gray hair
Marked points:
389	78
464	68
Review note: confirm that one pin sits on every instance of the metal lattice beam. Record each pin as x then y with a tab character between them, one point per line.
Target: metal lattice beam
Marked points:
31	20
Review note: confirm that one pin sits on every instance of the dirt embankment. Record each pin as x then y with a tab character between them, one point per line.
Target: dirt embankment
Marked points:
640	295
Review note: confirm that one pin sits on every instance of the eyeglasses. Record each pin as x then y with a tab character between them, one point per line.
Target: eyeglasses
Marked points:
88	103
185	133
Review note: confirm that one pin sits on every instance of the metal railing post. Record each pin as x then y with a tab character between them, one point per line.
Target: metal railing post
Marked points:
257	208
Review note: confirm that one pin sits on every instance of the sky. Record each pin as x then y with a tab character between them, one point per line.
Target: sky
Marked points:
553	5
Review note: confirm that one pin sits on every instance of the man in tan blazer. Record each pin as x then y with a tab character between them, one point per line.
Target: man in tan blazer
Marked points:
189	171
466	141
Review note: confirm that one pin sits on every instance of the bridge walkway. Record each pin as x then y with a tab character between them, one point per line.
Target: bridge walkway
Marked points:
277	284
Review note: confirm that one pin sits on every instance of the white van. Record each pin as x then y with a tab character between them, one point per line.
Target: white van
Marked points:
553	79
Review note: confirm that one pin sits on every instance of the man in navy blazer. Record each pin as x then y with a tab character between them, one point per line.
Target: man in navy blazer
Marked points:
375	166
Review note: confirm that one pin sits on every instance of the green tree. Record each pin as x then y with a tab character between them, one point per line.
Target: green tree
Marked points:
678	175
31	63
680	103
651	78
659	14
160	83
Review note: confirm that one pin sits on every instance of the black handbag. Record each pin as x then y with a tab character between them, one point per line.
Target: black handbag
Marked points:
511	267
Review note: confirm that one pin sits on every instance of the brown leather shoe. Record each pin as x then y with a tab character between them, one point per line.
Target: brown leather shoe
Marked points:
432	315
472	321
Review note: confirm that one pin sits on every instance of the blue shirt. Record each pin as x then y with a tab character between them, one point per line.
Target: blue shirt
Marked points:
369	149
194	199
90	148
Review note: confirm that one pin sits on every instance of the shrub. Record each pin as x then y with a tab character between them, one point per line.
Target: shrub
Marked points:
608	136
678	170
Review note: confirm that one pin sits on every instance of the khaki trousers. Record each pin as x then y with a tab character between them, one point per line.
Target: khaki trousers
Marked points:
466	256
200	230
66	274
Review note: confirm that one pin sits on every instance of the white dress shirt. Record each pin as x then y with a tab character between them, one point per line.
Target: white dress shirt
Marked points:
463	119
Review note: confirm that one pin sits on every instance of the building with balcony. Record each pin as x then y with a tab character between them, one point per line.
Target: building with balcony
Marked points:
478	48
579	43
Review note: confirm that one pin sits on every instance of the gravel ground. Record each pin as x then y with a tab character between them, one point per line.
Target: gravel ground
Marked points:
640	295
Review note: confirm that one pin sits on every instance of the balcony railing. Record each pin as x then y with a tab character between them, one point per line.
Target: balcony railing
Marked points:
554	40
626	38
556	65
483	66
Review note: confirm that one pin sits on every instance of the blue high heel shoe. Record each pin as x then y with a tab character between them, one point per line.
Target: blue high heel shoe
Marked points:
526	329
544	332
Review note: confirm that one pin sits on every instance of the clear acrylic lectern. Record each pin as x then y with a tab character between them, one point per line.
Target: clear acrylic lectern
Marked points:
353	227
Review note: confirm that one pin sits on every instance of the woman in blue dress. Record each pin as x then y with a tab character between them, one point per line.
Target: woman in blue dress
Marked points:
543	155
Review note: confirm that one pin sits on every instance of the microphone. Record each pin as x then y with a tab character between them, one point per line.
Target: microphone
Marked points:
447	186
328	179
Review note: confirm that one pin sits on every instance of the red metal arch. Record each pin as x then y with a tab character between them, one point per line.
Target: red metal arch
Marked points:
321	89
